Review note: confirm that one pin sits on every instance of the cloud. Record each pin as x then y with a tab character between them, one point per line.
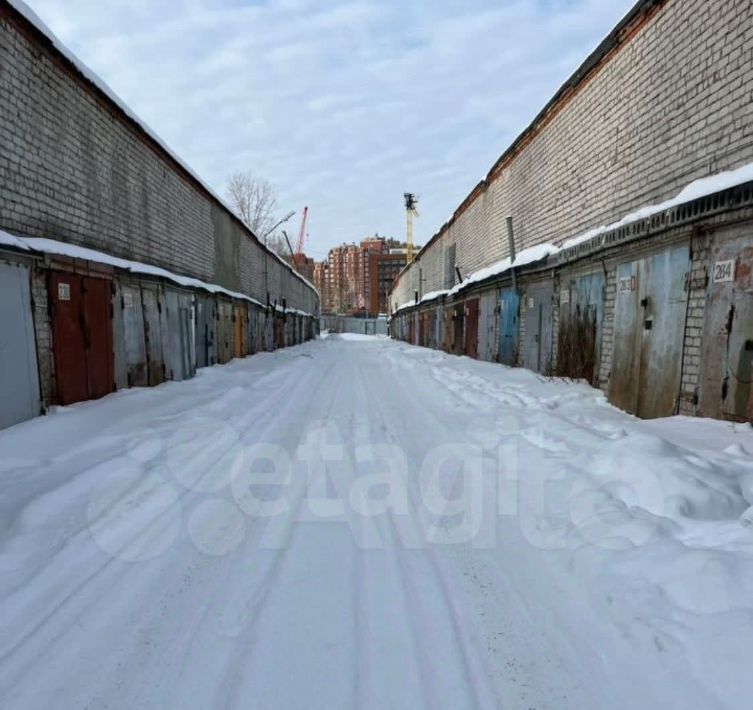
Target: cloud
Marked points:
342	104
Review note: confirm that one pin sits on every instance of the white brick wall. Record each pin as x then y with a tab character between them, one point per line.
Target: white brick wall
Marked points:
675	103
74	168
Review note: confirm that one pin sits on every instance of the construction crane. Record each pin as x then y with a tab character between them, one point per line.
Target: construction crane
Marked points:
411	211
299	257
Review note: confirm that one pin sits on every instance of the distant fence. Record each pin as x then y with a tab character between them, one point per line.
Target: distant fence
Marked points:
344	324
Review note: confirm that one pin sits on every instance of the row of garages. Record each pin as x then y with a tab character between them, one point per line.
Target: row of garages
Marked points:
658	313
73	330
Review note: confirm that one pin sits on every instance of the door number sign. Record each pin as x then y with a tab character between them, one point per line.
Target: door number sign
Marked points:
724	271
64	292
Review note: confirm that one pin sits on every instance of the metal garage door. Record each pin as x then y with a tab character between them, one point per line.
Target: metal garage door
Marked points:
19	378
240	326
580	327
509	307
537	344
471	328
179	358
82	336
224	331
727	365
206	323
649	325
487	329
130	341
153	330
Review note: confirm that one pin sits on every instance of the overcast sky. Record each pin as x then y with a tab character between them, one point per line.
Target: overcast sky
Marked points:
342	104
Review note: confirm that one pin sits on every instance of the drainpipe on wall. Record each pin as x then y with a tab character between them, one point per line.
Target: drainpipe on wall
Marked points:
511	248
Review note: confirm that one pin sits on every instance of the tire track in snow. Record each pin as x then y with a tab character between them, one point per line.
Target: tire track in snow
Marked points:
60	612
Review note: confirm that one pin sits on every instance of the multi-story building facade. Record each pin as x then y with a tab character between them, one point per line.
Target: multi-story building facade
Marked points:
346	280
384	269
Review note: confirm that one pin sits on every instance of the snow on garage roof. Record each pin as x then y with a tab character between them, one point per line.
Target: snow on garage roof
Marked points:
93	78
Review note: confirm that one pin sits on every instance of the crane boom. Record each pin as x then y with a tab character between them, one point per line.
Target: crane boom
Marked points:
411	211
301	243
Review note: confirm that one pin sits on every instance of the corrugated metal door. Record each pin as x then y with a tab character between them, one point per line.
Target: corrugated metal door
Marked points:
471	328
650	311
82	334
509	306
19	377
727	364
155	351
537	344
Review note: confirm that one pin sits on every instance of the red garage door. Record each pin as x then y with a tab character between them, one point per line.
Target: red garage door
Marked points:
82	337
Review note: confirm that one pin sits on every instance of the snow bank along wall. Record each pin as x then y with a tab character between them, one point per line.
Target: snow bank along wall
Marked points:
658	309
77	168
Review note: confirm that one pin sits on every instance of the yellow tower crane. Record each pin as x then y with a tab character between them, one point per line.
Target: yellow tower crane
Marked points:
411	211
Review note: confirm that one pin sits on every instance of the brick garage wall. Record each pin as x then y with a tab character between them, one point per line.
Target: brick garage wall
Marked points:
43	334
697	286
74	168
672	104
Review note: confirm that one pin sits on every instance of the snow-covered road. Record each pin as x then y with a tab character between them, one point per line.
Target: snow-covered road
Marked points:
359	523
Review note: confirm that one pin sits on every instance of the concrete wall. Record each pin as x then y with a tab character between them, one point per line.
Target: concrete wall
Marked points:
363	326
668	102
74	168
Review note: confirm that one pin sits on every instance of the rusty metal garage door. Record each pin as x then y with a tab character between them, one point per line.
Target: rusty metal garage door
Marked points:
448	332
727	363
458	312
82	336
225	332
537	344
151	301
471	328
240	329
580	326
19	378
649	325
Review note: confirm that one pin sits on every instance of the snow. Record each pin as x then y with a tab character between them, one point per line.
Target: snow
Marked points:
12	241
215	543
431	296
91	76
51	246
694	191
526	256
